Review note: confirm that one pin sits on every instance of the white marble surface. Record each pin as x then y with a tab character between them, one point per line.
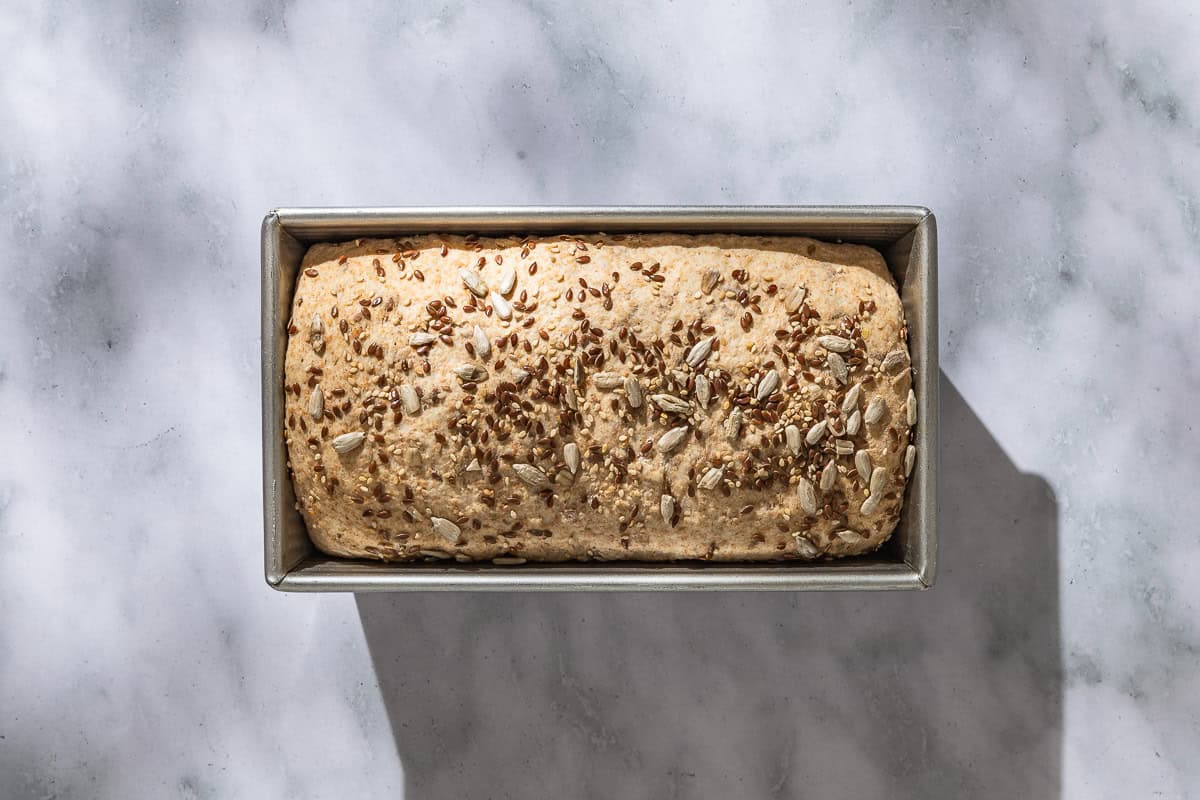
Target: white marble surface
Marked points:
141	653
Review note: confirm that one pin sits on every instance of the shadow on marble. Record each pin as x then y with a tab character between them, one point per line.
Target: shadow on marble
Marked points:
956	691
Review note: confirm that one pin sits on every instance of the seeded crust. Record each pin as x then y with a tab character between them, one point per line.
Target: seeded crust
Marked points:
378	500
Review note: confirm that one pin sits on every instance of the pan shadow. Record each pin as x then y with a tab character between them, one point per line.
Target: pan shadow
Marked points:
956	691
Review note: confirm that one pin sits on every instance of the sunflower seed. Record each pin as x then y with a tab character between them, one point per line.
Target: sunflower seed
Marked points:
410	399
879	480
531	475
703	391
571	399
508	561
607	381
519	374
633	392
733	423
471	373
795	299
792	434
850	402
479	340
836	344
767	385
712	478
807	496
912	408
828	476
500	306
446	528
577	372
871	504
422	338
571	456
700	352
316	334
875	411
710	281
894	360
474	282
434	554
316	403
474	466
854	423
671	440
862	463
910	458
816	432
666	507
837	365
508	281
349	442
850	537
805	548
843	447
670	403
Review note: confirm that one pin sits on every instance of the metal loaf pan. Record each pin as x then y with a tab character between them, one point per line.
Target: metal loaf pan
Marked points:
906	235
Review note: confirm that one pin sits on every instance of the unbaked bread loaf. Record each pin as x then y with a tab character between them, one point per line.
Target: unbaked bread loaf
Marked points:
644	397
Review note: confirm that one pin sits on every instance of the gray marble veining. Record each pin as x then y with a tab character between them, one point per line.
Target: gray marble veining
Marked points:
140	651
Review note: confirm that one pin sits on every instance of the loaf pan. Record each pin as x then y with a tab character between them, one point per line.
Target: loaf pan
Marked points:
906	235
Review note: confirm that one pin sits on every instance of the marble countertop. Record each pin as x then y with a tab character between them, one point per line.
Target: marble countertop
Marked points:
142	654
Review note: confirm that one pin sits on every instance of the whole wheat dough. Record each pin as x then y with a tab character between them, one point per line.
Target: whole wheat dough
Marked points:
484	469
